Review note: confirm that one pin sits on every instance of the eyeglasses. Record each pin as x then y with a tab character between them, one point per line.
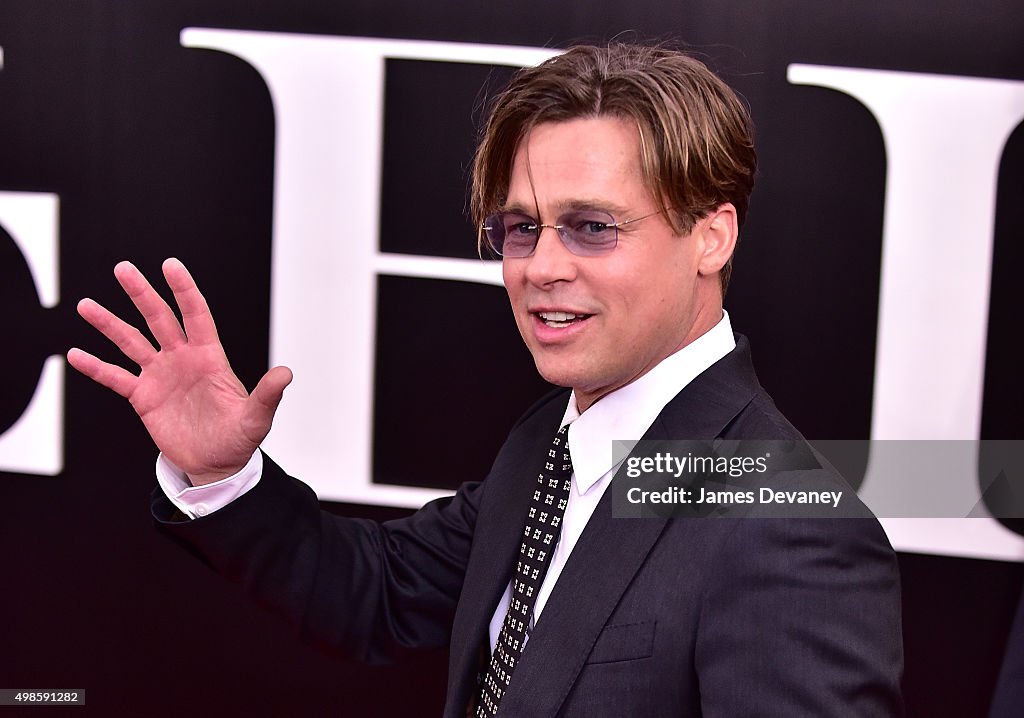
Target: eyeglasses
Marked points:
585	233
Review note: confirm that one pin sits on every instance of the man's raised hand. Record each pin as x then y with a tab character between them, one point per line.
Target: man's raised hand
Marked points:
194	407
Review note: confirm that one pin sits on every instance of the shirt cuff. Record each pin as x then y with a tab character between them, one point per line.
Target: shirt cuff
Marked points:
198	501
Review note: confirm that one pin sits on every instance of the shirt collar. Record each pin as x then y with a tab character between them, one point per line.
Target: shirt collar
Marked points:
628	412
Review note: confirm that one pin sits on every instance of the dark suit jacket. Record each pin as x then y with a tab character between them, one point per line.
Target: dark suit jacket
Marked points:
650	617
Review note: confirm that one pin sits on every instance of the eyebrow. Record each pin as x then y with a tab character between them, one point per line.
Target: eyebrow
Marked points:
616	210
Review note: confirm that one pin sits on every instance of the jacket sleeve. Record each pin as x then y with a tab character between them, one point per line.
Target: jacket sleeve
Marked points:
373	590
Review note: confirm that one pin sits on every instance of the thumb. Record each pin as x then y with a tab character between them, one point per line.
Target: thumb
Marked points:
263	402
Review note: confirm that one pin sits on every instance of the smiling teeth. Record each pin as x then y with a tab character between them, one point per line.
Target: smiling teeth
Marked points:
557	320
557	316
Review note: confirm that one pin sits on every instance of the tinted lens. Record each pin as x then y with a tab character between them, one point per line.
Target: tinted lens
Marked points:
511	234
584	232
588	232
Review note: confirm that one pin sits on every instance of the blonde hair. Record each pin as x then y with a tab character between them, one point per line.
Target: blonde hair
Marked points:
696	137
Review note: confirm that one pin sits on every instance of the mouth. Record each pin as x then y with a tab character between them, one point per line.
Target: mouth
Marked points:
560	320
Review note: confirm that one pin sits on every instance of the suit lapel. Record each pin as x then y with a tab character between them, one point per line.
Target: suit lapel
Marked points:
495	547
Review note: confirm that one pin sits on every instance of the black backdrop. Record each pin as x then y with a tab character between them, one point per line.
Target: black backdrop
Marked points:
157	150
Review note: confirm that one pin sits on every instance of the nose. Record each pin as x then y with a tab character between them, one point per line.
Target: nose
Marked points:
551	261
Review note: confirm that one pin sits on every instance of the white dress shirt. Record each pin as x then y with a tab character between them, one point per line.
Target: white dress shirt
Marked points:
623	415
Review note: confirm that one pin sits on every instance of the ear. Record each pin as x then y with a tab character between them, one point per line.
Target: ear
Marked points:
720	230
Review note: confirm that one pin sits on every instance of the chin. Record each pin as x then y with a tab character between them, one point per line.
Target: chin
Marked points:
555	374
569	376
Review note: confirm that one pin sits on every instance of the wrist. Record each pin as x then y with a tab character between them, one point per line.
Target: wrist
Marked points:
212	477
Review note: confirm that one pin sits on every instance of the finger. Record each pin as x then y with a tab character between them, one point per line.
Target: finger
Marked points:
127	338
195	312
263	403
159	317
113	377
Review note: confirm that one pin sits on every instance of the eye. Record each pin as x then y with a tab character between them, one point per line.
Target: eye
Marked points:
521	229
591	226
519	226
594	227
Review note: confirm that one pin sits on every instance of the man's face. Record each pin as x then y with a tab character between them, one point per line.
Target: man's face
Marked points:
631	307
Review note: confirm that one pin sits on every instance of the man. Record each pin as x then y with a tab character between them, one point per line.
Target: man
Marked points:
613	181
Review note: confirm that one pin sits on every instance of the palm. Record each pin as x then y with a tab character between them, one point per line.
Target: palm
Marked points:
189	401
192	404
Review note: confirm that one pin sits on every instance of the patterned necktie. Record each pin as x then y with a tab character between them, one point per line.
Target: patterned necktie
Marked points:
540	534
